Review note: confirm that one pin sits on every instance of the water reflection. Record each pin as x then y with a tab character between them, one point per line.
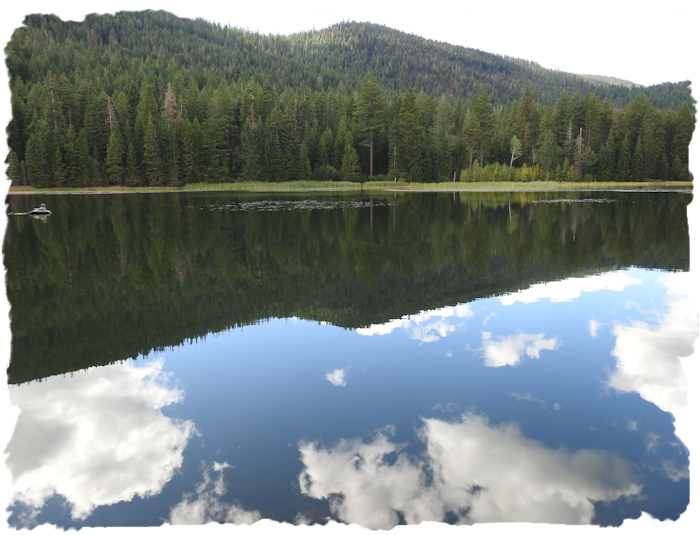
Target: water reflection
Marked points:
338	377
508	350
470	469
523	370
96	438
171	267
569	289
426	326
648	356
206	505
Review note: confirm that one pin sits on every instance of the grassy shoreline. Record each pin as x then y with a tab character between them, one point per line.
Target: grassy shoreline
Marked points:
368	186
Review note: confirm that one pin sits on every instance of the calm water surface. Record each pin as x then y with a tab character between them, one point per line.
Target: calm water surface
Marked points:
466	358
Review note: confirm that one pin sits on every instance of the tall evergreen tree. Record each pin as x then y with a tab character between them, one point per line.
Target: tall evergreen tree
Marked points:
369	114
408	137
113	160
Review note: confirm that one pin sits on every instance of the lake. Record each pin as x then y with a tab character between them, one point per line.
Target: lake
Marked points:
381	360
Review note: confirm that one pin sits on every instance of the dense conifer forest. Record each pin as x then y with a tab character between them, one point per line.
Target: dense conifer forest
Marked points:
150	99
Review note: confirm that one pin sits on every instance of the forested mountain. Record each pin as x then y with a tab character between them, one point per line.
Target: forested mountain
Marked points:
162	100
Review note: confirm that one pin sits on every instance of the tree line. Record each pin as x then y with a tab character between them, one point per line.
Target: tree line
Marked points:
147	99
63	136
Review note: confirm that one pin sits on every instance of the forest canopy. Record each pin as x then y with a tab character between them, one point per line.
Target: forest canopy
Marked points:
150	99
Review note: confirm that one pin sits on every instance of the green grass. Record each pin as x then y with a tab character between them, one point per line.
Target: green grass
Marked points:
272	186
521	186
310	185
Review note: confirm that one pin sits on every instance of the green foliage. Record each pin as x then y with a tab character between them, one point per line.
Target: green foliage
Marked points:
151	99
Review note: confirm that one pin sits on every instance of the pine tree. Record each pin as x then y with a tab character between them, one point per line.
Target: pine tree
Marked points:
189	150
133	173
525	122
515	149
218	135
549	152
485	124
84	158
562	118
37	157
683	128
13	169
624	162
152	162
606	161
637	171
350	166
249	152
408	140
370	107
113	160
58	170
579	152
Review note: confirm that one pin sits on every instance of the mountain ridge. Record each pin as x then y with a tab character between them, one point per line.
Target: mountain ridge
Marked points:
325	58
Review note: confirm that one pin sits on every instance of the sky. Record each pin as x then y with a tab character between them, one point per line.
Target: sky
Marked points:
643	42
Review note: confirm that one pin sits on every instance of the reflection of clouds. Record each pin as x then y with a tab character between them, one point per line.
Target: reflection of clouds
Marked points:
96	438
648	356
206	506
417	324
372	490
431	332
530	397
673	473
449	407
569	289
480	473
507	351
337	377
652	442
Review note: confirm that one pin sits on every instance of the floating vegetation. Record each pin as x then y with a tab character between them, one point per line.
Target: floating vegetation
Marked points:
270	205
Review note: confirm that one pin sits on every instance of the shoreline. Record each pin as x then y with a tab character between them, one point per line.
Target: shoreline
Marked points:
263	187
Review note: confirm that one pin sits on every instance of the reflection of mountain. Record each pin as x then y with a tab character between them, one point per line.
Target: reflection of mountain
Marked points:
113	276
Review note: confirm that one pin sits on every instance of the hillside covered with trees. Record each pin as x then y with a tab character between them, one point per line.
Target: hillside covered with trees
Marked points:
152	99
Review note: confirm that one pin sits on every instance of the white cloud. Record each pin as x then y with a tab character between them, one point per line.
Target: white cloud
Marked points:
593	327
373	491
481	473
487	318
507	351
417	325
648	356
431	332
569	289
206	506
530	397
449	407
673	473
337	377
96	438
652	442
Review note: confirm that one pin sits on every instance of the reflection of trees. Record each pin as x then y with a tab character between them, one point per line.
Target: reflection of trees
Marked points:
114	276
